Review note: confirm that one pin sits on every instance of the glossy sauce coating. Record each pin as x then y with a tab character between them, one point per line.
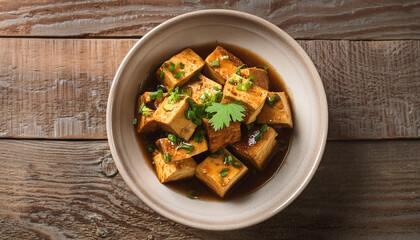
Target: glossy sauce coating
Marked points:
254	179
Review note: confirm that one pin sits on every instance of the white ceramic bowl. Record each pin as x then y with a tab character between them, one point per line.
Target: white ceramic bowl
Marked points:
258	36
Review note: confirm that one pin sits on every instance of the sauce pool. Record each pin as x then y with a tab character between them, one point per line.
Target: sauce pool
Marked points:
254	179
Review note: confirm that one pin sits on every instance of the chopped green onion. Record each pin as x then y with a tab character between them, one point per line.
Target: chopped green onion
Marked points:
225	57
263	67
162	74
154	95
215	63
198	134
192	194
171	66
262	130
237	165
143	110
178	75
228	160
180	64
167	157
246	85
186	146
217	153
273	99
135	121
197	121
184	91
190	114
223	174
173	138
167	107
216	88
238	69
150	148
231	80
161	87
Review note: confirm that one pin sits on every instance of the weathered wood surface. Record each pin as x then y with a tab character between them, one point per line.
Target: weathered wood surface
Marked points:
58	88
362	190
308	19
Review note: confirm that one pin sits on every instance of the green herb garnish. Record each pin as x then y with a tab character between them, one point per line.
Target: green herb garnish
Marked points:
223	174
162	74
150	148
143	110
192	194
199	134
272	100
167	157
228	159
215	63
186	146
237	165
263	67
186	92
217	153
171	66
154	95
173	138
180	64
224	113
178	75
225	57
262	130
238	69
246	85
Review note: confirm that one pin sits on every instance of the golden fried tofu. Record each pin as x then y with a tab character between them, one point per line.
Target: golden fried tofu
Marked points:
146	123
279	114
262	76
257	152
201	85
253	99
228	64
223	137
173	170
219	176
187	63
166	146
171	118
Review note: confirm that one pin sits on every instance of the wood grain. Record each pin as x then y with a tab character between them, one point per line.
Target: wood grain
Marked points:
58	88
56	189
308	19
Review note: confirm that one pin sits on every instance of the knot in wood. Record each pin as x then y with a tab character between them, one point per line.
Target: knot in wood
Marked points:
108	166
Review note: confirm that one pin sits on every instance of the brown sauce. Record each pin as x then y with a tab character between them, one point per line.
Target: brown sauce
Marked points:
254	178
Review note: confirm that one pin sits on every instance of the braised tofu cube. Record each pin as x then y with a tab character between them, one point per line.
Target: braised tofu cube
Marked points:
279	113
145	121
184	65
202	85
179	151
222	137
171	118
220	64
219	176
261	75
257	153
173	170
252	98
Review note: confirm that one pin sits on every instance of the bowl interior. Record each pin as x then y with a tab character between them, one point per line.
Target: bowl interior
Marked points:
267	41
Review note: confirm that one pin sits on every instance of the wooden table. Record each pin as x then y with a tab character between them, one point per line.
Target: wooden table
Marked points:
57	62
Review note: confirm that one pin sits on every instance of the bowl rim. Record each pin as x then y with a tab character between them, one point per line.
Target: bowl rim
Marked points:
323	124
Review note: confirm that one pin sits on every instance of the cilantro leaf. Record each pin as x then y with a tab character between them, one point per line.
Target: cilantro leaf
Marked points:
224	114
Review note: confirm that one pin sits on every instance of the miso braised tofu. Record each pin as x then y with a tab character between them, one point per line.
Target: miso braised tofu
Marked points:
276	111
179	68
252	98
223	137
220	64
221	172
181	150
173	170
145	109
202	85
205	106
261	75
171	118
257	146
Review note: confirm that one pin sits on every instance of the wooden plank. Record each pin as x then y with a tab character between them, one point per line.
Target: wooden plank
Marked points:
362	189
58	88
308	19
